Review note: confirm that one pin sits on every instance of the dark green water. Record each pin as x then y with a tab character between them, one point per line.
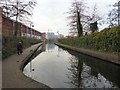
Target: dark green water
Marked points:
61	68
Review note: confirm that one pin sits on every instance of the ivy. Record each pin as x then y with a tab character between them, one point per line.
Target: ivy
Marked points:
107	40
9	44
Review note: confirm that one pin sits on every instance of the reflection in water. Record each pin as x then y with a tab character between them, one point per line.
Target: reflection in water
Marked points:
60	68
43	48
50	46
87	72
59	51
92	81
75	72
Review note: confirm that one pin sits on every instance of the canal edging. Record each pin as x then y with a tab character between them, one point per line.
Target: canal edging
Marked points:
26	61
13	76
106	57
28	58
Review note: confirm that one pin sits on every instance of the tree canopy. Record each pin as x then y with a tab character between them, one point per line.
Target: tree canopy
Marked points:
18	9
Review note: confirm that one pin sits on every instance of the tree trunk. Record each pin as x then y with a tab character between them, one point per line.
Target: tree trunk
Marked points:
16	22
79	25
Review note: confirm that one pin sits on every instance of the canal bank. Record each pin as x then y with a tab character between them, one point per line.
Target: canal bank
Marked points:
60	67
12	76
103	56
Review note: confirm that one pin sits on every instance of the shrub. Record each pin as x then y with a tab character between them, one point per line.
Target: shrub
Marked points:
106	40
9	44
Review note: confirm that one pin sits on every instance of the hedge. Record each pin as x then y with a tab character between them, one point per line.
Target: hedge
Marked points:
9	44
108	40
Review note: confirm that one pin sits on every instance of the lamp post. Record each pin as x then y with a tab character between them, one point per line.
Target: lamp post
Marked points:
31	25
58	34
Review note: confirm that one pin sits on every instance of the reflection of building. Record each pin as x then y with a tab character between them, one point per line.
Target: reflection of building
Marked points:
43	37
51	36
50	46
43	47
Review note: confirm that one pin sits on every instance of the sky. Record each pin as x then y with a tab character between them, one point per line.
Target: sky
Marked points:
51	15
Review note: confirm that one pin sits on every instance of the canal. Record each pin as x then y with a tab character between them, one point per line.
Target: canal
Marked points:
61	68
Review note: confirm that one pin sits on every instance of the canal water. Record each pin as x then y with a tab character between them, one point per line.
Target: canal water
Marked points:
61	68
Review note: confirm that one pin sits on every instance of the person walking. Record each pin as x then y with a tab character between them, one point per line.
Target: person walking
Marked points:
19	48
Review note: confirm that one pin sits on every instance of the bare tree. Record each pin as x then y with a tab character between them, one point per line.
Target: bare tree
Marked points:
113	17
4	5
76	15
81	20
18	9
94	19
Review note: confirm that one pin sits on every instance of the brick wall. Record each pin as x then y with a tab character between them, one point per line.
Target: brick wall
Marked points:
7	26
0	21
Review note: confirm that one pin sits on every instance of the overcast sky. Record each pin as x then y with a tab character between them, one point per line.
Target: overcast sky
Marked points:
51	14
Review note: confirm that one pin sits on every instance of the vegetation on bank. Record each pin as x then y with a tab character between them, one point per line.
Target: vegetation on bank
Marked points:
9	44
108	40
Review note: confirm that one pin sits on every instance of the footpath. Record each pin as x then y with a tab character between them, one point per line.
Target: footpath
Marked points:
12	76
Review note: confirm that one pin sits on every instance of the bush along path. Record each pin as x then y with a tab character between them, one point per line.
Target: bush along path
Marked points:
107	41
9	44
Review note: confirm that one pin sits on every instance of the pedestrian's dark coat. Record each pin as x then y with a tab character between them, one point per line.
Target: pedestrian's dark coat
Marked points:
19	48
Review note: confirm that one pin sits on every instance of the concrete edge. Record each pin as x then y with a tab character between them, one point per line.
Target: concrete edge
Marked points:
103	56
27	58
24	63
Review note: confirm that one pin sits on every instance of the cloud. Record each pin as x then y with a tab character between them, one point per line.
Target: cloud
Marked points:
51	14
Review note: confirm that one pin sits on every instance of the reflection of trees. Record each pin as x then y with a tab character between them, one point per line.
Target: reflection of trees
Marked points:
92	81
88	72
75	72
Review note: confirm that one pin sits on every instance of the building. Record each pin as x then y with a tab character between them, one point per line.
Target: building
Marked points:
7	27
0	22
1	47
